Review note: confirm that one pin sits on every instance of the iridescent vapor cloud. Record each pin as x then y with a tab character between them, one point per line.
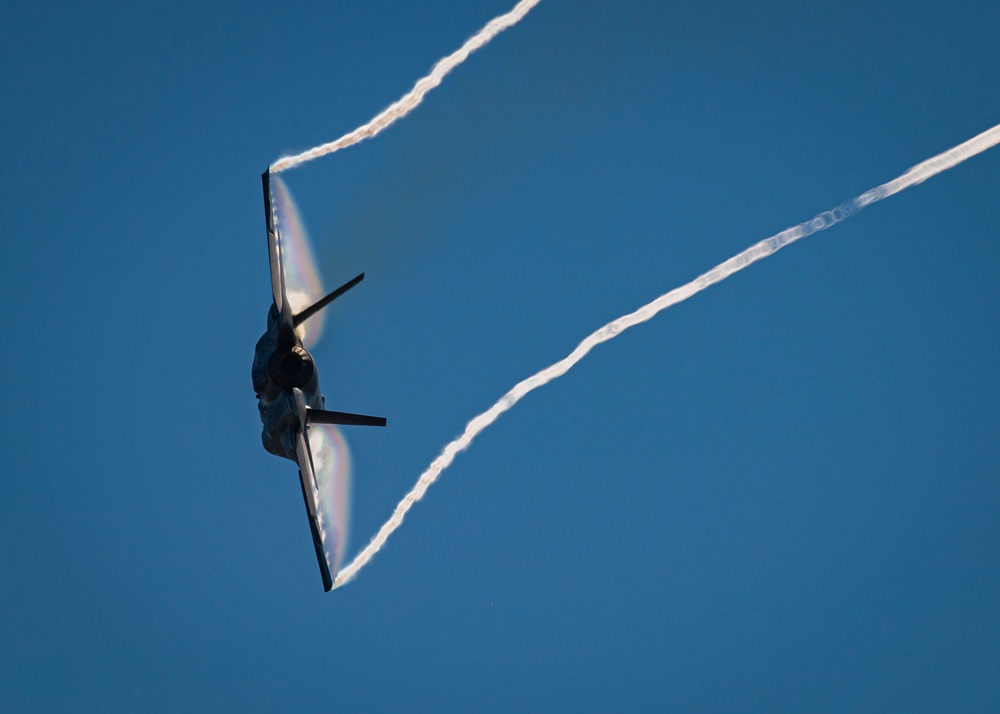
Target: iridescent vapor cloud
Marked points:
302	281
332	464
331	456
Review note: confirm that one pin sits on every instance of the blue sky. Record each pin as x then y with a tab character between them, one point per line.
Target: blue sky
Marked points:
778	496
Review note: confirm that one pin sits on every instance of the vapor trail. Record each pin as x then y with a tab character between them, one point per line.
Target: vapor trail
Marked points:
919	173
409	101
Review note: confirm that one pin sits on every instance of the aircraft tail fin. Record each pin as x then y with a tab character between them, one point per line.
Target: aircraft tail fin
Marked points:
321	416
323	302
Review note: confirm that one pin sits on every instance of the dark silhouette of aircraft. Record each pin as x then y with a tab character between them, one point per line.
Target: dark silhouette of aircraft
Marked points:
287	384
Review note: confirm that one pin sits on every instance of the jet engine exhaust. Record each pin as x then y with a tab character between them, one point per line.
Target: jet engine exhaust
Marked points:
291	368
919	173
412	99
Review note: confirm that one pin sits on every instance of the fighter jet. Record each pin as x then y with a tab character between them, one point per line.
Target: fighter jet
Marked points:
286	383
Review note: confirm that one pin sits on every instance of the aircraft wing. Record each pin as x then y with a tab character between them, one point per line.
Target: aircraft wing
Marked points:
274	253
310	492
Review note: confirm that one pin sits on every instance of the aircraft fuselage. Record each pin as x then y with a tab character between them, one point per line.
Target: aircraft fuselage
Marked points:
281	363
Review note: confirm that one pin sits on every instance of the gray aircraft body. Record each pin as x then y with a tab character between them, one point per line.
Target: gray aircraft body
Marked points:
286	383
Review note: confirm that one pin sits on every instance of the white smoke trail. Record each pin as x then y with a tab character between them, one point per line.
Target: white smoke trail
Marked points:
409	101
919	173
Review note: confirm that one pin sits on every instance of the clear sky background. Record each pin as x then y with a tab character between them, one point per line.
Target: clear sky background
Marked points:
781	495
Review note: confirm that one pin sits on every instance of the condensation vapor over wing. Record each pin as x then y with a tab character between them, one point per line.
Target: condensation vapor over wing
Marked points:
919	173
302	280
412	99
332	463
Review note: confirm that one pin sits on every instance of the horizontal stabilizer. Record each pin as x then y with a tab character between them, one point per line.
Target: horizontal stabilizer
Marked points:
323	302
321	416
